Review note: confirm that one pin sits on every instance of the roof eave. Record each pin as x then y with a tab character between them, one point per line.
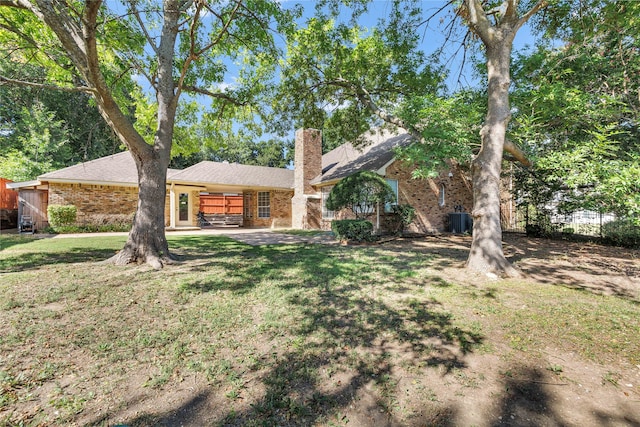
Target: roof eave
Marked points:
231	186
89	182
23	184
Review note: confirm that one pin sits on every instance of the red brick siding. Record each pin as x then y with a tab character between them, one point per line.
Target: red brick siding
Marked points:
280	210
94	199
423	195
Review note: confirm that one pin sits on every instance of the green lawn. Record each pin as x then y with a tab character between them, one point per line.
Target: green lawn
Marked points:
278	335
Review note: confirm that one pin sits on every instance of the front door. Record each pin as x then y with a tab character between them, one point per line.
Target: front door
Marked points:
184	209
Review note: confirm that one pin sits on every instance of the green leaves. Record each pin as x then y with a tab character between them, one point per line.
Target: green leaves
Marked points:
361	192
342	77
578	110
449	127
38	144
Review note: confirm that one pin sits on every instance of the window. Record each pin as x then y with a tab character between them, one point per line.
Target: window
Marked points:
441	196
264	204
393	183
326	213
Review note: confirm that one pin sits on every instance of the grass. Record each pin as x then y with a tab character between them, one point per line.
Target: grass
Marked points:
279	335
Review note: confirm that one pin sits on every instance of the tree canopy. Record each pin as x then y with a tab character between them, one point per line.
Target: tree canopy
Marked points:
43	129
579	113
362	192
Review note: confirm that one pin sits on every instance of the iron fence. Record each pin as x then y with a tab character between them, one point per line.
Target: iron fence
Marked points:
580	226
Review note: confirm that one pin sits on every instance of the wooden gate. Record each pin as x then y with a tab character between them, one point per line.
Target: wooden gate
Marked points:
221	209
34	203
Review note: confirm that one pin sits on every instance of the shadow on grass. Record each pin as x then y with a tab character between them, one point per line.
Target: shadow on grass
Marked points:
33	260
74	250
528	400
592	268
345	344
9	240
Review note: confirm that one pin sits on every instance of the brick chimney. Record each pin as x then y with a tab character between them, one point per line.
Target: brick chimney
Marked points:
306	211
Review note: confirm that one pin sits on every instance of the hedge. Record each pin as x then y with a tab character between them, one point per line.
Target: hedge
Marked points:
354	230
60	216
621	232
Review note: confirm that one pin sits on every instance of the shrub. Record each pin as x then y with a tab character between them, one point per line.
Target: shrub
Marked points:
621	232
399	219
360	192
355	230
60	216
95	223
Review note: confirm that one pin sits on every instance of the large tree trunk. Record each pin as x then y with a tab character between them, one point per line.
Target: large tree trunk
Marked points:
147	241
77	34
486	253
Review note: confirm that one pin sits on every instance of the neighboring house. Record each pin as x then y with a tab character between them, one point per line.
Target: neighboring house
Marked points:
263	196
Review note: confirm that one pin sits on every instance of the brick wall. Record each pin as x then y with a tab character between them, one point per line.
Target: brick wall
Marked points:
423	195
94	199
280	210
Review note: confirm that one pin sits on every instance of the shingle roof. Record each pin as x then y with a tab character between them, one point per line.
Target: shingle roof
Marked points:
347	159
116	168
337	164
207	172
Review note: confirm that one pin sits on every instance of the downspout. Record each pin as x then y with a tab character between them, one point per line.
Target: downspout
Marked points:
378	217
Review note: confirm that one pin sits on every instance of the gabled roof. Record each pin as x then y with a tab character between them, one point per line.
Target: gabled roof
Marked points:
117	168
120	169
346	159
235	174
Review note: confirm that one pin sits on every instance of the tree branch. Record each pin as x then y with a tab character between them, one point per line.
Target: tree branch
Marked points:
7	80
478	20
20	34
516	152
10	3
136	14
364	97
223	30
537	7
219	95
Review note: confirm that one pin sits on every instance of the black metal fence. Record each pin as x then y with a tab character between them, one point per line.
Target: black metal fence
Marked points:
528	219
580	225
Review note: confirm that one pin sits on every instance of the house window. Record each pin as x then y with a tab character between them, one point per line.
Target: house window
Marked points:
326	213
393	183
264	204
441	196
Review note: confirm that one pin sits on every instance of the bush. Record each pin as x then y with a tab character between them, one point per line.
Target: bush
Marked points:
95	223
399	219
621	232
60	216
360	192
353	230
